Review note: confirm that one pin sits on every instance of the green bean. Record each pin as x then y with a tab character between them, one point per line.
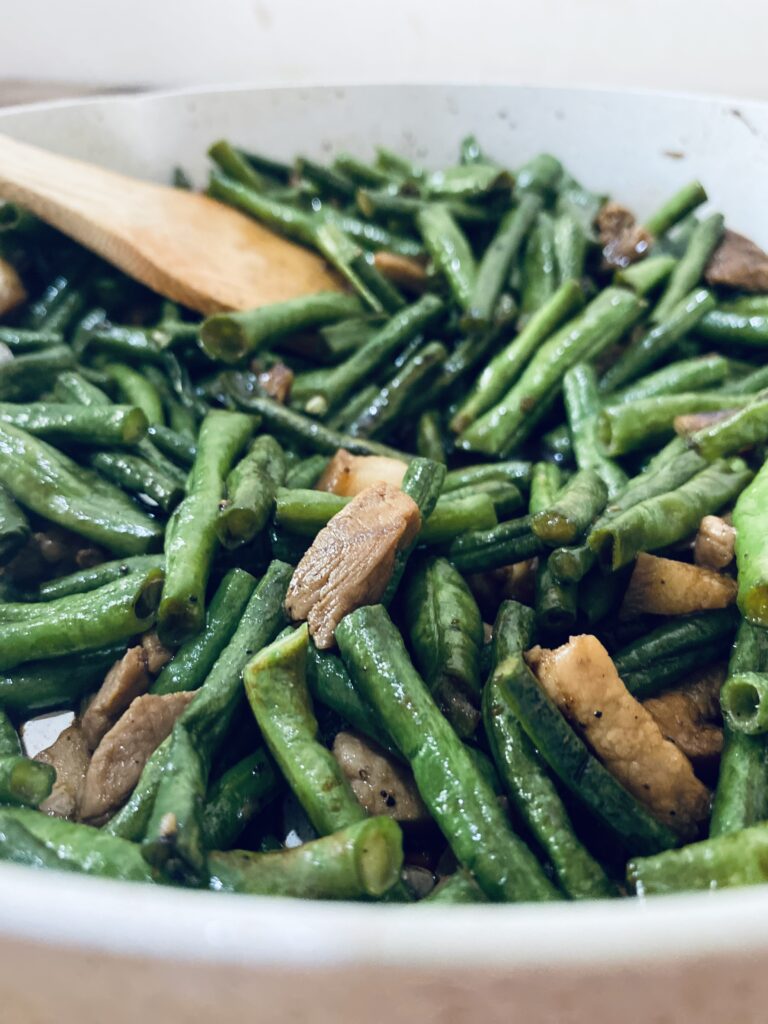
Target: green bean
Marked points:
645	276
14	527
506	497
741	796
132	343
329	683
44	480
686	275
481	549
349	260
360	172
393	398
539	265
230	337
38	686
676	207
175	446
287	220
209	716
236	797
542	173
744	704
603	322
567	756
25	782
494	267
469	181
516	471
136	475
574	509
751	558
19	846
372	236
21	340
328	181
445	631
306	472
400	329
459	887
113	612
360	861
546	481
28	375
450	251
470	151
556	603
751	384
582	406
526	780
251	489
236	165
695	374
744	429
579	202
136	389
667	518
72	387
680	318
275	683
647	421
81	847
429	436
191	664
717	863
97	425
190	539
504	369
458	796
10	744
84	580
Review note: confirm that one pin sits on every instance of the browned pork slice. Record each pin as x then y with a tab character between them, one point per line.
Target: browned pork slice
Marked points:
348	475
119	759
583	682
70	756
351	559
690	715
624	241
664	586
381	783
715	543
277	381
12	292
156	653
738	263
127	679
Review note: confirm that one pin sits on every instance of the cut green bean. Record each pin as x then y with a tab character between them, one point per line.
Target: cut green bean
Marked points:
582	406
695	374
687	274
28	375
573	511
14	526
546	481
275	682
98	425
539	266
450	251
191	533
37	686
136	475
358	862
648	421
647	275
459	798
751	555
97	576
251	489
236	798
726	328
744	700
676	207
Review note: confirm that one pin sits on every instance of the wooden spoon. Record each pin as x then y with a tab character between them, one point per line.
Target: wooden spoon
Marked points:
185	246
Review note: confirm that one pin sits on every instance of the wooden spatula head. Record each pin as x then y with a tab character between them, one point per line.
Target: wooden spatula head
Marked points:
186	246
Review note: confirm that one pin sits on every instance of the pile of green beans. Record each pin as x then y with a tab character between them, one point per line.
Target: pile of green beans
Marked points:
552	417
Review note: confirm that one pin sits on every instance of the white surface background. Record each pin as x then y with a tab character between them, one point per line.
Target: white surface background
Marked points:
711	46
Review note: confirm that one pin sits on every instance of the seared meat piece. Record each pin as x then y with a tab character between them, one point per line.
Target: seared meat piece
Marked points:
12	291
664	586
381	784
351	559
515	582
127	678
277	381
582	680
689	715
157	654
119	759
624	241
714	545
738	263
54	552
403	271
70	756
348	474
